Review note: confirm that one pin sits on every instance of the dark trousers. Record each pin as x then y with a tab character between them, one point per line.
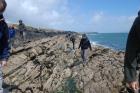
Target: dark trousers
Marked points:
84	54
73	42
22	35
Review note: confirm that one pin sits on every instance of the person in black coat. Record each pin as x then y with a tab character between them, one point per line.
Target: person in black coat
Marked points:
22	30
132	55
73	39
84	45
4	44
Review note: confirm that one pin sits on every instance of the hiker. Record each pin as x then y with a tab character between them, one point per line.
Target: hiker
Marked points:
22	30
72	39
12	33
84	45
4	46
132	56
67	37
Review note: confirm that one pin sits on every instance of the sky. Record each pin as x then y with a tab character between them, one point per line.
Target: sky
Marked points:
104	16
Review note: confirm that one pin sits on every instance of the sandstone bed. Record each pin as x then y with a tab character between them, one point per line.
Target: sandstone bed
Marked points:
48	66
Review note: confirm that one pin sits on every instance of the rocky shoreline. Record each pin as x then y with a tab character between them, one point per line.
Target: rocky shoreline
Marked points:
48	65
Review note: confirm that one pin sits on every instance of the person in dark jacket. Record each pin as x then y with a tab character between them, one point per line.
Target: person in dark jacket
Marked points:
72	39
84	45
132	55
12	33
4	36
22	29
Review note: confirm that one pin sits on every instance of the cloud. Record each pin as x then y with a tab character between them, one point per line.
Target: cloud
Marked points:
40	13
58	15
102	22
97	17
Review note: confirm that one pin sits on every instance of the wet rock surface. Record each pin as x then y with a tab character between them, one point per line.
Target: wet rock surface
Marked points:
48	66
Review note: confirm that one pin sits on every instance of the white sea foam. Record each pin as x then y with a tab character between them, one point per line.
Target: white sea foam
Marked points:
96	44
91	34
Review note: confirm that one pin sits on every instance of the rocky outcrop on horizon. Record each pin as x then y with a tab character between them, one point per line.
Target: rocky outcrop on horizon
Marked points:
50	65
33	34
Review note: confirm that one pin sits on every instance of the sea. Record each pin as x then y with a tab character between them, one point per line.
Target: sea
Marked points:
115	41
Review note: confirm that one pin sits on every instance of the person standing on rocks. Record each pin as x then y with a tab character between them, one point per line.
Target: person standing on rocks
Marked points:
4	45
72	39
132	56
22	30
12	33
84	45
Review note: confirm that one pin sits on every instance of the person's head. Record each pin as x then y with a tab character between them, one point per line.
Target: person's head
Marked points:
139	13
84	36
20	21
3	6
13	27
10	27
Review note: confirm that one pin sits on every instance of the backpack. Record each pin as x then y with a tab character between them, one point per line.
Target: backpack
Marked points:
85	44
11	33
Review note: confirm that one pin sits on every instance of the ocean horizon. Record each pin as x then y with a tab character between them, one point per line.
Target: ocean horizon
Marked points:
115	41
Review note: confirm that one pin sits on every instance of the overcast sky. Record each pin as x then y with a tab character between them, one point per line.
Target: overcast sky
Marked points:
75	15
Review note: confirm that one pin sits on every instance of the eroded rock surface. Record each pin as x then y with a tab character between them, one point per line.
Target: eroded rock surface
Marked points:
48	66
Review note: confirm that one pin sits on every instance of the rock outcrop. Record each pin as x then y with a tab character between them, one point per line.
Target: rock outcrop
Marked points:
49	66
33	34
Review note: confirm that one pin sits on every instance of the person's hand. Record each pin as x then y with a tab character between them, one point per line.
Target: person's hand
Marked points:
3	63
134	85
